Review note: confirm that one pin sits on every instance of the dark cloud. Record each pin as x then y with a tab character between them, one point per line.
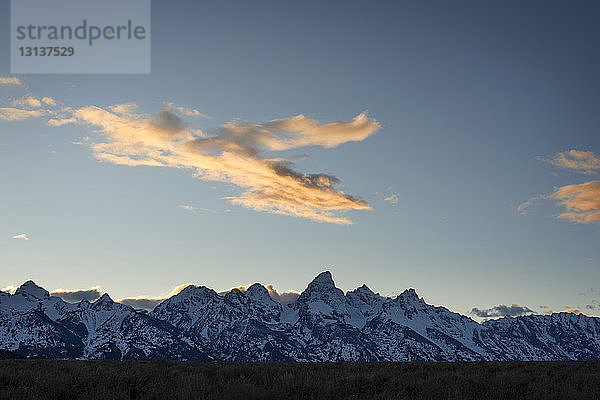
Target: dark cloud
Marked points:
168	120
501	311
75	296
141	303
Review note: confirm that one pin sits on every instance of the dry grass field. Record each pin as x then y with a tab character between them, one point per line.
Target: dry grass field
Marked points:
46	379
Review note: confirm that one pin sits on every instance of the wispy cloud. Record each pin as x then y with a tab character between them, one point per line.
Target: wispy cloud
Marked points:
582	202
27	102
584	162
10	80
188	208
501	311
236	154
393	199
188	112
17	114
76	295
522	209
21	236
48	100
33	102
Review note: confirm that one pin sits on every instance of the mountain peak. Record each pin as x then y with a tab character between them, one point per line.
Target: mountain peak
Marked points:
364	289
29	288
410	294
105	298
321	284
324	277
258	292
322	281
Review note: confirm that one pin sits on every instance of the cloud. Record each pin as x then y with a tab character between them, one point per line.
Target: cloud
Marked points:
17	114
123	109
236	154
48	100
501	311
188	208
141	302
10	81
28	102
393	199
584	162
148	302
284	297
60	122
582	202
76	295
21	236
522	208
9	289
187	111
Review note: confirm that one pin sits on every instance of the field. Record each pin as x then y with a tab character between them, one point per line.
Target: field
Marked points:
45	379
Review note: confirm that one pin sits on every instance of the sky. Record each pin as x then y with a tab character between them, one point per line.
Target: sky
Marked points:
452	147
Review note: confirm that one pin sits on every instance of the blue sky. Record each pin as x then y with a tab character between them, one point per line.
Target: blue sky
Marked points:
474	100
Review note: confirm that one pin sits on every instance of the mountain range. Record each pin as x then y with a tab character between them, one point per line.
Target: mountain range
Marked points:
322	324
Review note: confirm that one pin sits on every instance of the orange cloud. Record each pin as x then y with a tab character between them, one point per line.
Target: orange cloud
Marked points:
21	236
234	155
17	114
584	162
33	102
28	101
582	202
10	81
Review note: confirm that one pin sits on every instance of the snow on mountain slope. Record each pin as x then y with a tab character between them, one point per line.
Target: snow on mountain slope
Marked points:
323	324
36	324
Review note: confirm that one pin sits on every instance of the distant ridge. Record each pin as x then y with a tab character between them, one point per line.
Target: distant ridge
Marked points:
323	324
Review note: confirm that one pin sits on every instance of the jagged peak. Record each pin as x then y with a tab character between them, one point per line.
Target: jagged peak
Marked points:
322	288
192	291
324	277
29	288
256	291
410	293
105	298
364	289
322	283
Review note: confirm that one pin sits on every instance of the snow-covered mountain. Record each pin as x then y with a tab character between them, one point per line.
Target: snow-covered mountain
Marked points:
323	324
